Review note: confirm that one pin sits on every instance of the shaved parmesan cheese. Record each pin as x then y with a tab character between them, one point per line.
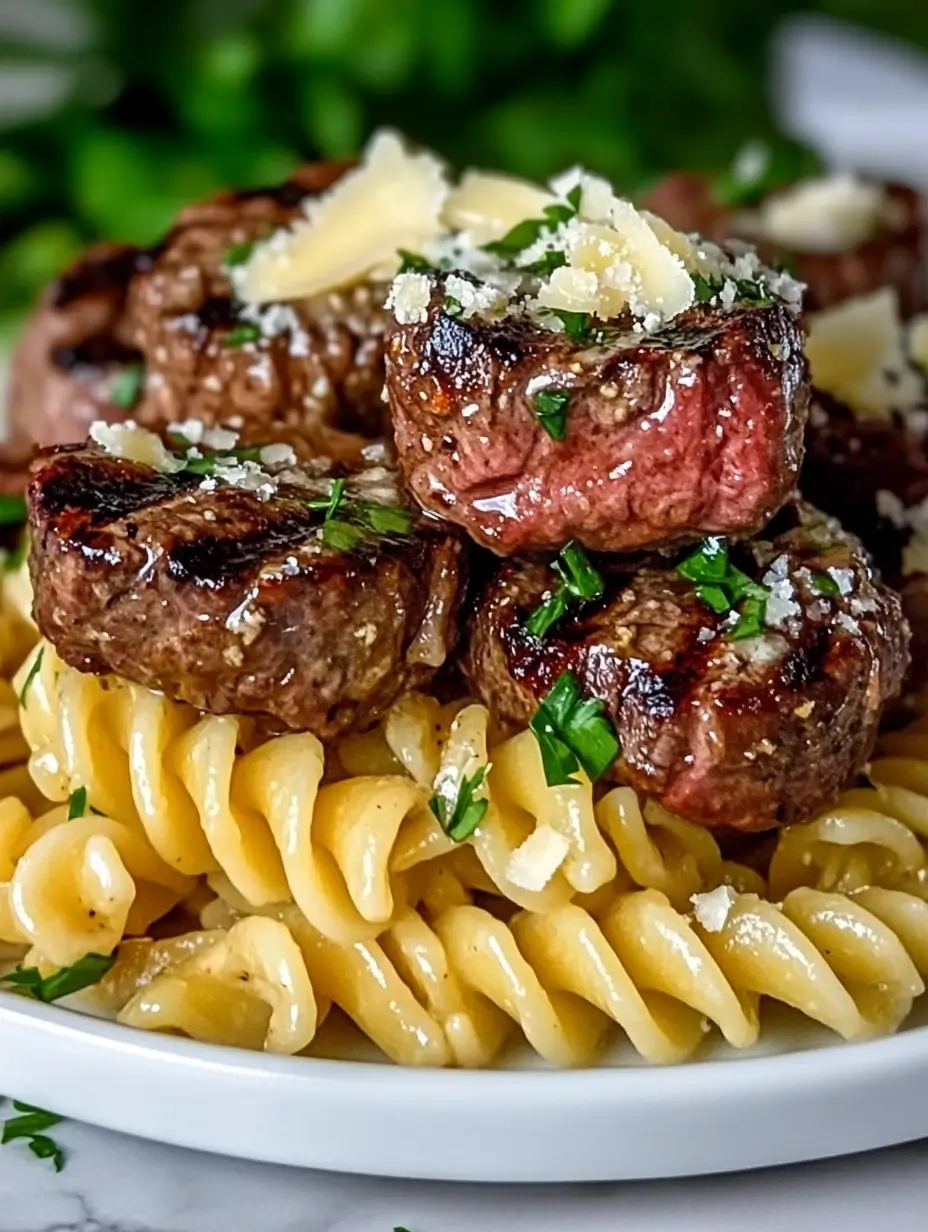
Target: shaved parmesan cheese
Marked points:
533	864
392	200
617	265
831	214
487	206
134	444
712	909
857	354
918	340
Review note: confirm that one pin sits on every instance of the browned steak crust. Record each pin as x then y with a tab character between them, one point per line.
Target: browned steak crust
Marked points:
748	735
232	603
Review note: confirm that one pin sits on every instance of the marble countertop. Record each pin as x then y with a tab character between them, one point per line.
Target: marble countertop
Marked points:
116	1184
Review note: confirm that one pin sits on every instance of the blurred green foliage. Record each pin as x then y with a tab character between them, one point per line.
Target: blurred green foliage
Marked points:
149	103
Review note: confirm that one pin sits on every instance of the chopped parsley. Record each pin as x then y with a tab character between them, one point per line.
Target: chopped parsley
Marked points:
244	332
77	805
30	982
413	262
238	254
580	582
344	533
126	386
822	584
32	673
334	499
747	291
750	619
573	732
578	326
722	586
546	264
32	1123
12	510
341	536
453	307
384	519
460	820
527	232
550	405
207	464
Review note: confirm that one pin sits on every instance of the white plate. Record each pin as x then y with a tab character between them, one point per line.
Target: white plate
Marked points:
611	1123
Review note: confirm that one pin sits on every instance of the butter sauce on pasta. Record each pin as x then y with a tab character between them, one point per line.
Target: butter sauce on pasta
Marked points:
322	879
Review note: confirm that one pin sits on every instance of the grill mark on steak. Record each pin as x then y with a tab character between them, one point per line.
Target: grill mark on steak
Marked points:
693	431
94	275
93	353
234	604
741	735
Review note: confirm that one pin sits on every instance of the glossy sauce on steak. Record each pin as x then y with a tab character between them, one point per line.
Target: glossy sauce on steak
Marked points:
749	734
238	604
694	430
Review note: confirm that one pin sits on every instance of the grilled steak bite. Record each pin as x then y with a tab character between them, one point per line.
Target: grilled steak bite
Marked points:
159	334
873	476
833	269
71	359
241	586
749	732
691	430
298	366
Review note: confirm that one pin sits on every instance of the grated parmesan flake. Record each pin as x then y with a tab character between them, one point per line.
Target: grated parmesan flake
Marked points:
532	865
409	298
712	909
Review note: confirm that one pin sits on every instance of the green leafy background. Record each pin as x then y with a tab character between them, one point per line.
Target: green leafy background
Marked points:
149	103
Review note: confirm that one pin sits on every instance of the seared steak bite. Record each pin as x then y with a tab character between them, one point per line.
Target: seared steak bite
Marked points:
159	334
744	732
695	429
894	255
242	599
873	476
74	350
296	366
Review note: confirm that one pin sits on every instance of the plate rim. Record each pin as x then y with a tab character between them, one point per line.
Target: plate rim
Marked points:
375	1118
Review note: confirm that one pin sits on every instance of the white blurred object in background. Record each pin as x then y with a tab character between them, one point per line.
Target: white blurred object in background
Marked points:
858	98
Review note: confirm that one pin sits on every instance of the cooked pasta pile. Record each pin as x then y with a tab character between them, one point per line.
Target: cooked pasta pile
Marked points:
287	884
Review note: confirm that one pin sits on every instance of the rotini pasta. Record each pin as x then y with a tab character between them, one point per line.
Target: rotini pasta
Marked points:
454	989
323	879
71	886
342	850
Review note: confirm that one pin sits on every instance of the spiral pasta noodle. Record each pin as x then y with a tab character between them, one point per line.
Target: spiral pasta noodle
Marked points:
344	851
323	880
456	988
70	886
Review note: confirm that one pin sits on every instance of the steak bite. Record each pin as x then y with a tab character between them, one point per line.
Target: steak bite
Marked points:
158	333
308	366
833	267
241	586
873	476
66	370
662	437
748	732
